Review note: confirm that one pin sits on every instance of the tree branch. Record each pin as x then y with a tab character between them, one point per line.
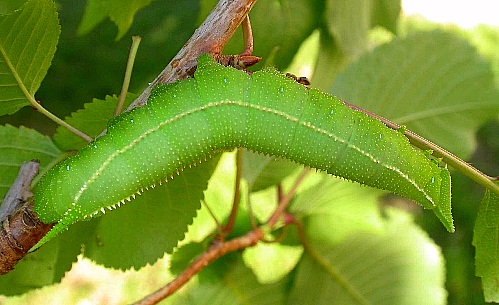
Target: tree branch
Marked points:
20	228
211	37
20	190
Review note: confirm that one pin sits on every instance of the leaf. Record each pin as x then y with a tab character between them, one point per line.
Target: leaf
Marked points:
433	82
18	145
182	257
346	36
386	13
229	281
486	242
141	231
7	6
334	208
396	265
272	262
28	40
92	120
262	171
120	12
355	16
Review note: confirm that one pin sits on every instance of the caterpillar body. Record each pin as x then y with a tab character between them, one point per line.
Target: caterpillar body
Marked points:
223	108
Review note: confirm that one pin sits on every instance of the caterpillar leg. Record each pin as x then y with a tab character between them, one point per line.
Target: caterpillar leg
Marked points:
244	59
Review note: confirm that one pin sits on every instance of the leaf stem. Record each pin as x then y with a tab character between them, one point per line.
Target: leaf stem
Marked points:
439	152
284	200
54	118
237	194
128	74
36	105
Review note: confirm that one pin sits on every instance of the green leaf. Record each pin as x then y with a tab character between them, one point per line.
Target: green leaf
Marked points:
398	264
334	208
141	231
386	13
229	281
346	34
7	6
121	12
272	262
349	22
486	242
427	81
92	120
28	40
182	257
18	145
262	171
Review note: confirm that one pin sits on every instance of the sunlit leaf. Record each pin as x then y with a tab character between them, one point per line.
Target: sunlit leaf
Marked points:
433	82
272	262
397	265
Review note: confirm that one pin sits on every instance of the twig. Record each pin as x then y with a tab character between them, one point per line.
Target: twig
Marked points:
215	251
128	74
20	190
20	228
439	152
284	200
237	194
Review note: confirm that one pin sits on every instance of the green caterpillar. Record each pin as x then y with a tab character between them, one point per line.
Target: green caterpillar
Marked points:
222	108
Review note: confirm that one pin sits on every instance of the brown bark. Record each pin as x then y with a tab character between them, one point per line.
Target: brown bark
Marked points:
20	229
19	233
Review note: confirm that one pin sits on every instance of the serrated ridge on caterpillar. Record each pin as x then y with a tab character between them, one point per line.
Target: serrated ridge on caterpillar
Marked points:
265	112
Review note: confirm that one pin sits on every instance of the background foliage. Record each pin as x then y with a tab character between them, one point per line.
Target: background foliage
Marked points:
440	81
